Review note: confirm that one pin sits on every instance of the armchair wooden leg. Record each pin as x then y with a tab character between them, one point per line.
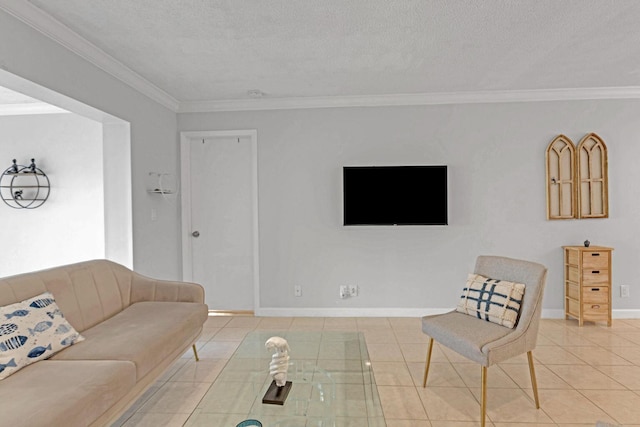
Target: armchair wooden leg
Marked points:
534	383
427	363
195	352
483	396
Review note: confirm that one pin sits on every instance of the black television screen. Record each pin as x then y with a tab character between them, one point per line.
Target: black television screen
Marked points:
395	195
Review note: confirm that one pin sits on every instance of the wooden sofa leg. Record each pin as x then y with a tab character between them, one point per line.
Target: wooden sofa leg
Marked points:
483	396
195	352
534	383
427	363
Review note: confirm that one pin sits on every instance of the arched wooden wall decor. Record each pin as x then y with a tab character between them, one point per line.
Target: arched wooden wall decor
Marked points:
592	178
561	189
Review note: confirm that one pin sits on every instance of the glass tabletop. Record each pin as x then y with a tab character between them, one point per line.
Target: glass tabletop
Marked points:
331	375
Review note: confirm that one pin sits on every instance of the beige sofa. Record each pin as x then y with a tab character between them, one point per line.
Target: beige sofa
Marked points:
134	329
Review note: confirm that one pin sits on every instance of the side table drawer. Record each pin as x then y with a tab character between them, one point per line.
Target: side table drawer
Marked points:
595	277
595	295
595	312
595	260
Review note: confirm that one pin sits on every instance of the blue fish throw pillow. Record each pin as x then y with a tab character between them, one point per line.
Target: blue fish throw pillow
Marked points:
32	330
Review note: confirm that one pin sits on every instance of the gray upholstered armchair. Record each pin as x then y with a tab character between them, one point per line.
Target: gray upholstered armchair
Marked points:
488	343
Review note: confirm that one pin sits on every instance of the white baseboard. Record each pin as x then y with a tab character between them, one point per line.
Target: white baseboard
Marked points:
348	312
625	314
402	312
615	314
552	313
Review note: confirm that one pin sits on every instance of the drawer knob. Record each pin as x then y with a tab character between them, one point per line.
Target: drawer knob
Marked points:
595	272
595	289
595	306
595	254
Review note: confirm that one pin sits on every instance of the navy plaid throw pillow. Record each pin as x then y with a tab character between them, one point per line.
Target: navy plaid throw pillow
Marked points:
493	300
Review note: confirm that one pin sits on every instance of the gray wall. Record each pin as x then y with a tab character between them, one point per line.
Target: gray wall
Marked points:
495	153
496	159
27	53
69	226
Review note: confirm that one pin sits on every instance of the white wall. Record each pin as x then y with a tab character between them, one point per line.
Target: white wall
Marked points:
69	226
29	54
496	159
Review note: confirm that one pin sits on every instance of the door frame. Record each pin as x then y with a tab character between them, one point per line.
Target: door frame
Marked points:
186	139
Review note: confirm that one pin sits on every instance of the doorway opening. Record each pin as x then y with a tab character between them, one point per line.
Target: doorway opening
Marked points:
116	165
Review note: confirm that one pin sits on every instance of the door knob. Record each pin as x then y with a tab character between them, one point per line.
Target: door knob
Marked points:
196	234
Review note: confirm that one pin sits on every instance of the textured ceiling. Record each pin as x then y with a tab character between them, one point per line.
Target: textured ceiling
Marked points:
219	49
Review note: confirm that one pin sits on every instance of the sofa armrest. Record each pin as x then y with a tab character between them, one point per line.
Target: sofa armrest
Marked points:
147	289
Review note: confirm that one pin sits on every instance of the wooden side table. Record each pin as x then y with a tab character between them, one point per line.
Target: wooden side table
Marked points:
587	283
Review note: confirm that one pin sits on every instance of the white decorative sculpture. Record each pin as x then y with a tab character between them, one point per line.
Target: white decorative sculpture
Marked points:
280	359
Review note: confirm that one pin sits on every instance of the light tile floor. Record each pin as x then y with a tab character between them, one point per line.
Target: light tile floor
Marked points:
585	375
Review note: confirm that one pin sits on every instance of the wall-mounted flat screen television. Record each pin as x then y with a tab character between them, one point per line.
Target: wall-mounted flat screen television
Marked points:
395	195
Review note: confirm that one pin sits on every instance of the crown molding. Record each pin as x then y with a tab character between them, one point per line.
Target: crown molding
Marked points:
55	30
30	108
477	97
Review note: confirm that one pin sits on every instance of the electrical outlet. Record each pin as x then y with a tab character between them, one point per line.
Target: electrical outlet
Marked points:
624	291
353	290
347	291
297	290
154	214
344	291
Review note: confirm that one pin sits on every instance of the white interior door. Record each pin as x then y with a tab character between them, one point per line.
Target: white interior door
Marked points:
221	233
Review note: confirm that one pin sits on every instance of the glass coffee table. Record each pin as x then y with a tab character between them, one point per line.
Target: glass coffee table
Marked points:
332	383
